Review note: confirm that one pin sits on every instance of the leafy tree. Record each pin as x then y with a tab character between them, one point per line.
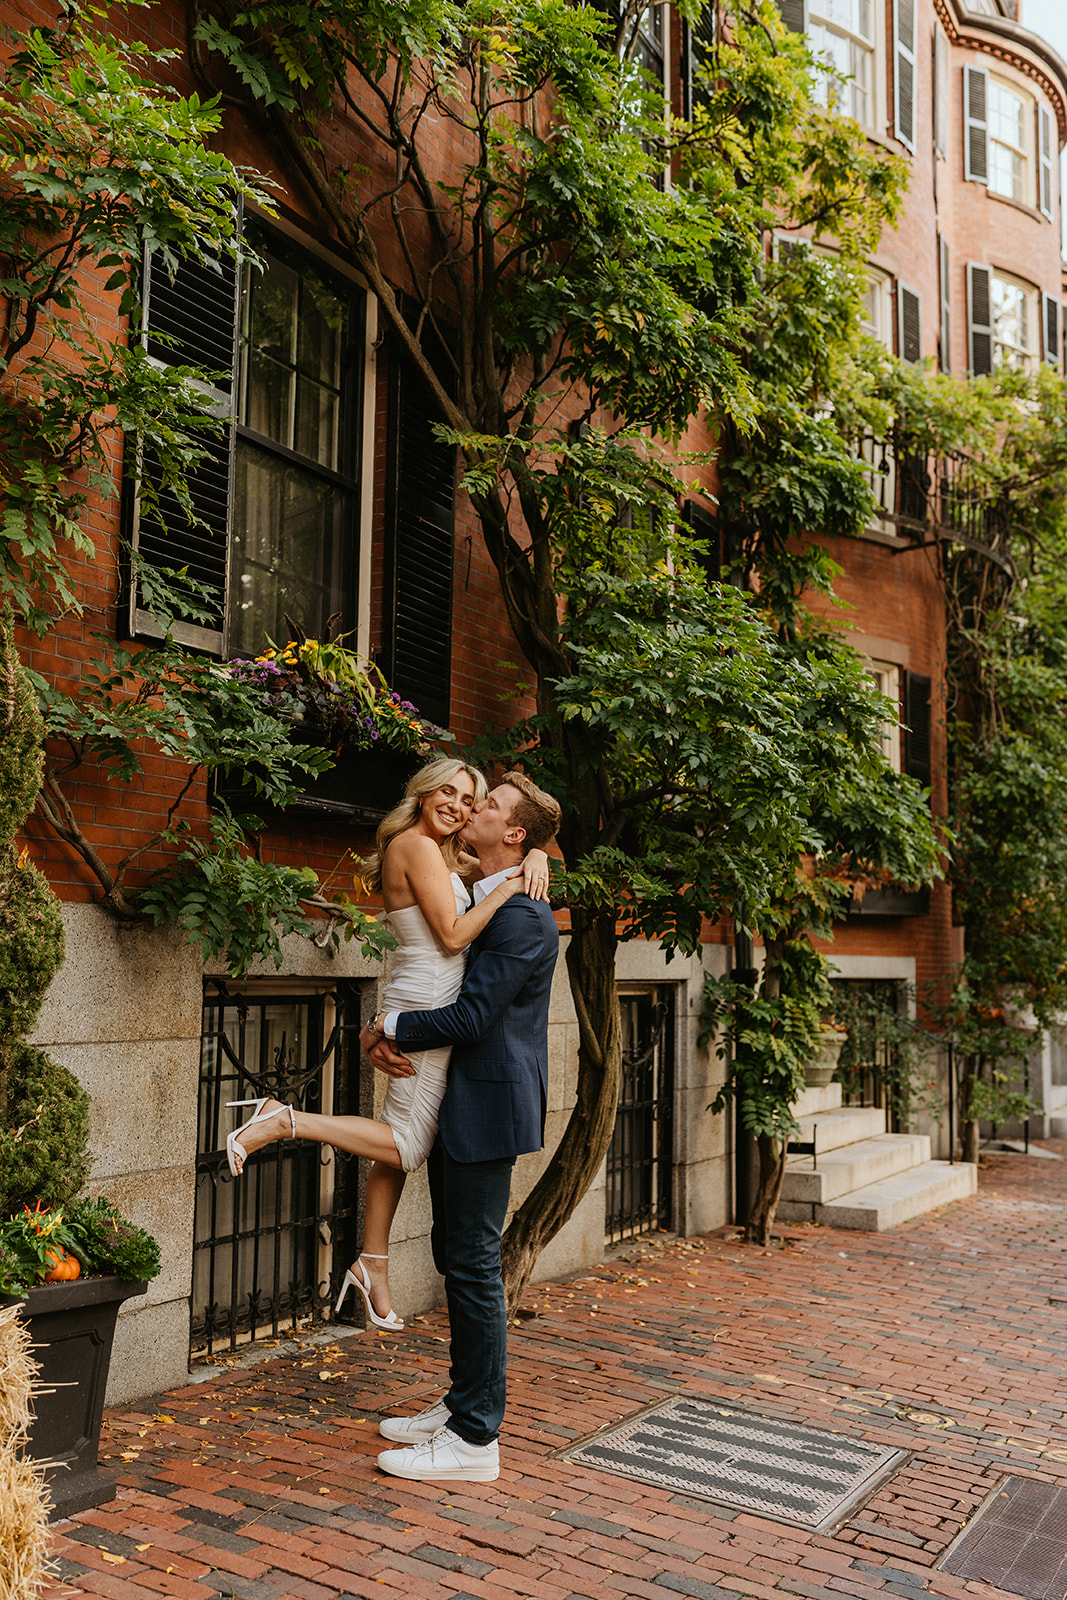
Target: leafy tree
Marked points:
592	314
1000	551
591	311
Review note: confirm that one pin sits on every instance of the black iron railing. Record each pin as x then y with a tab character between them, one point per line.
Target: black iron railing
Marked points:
262	1247
640	1164
927	497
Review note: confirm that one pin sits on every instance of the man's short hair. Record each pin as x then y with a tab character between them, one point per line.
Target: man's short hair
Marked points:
535	811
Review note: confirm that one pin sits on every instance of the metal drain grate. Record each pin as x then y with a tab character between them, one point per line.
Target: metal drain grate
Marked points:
795	1474
1017	1542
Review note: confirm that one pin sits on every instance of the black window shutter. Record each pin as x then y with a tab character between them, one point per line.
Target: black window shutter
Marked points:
1051	322
980	319
917	761
420	531
706	529
976	133
904	70
794	14
189	319
701	40
910	311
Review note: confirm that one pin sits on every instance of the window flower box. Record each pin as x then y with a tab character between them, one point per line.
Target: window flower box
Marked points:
340	702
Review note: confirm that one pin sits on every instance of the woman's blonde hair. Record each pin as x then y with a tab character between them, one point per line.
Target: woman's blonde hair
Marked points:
425	782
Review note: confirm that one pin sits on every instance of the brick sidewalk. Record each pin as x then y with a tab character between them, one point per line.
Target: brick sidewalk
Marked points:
945	1338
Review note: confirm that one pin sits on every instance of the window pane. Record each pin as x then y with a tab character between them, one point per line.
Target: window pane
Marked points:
855	16
287	549
1005	171
270	299
316	422
291	522
294	324
321	333
1006	115
267	385
1012	324
846	86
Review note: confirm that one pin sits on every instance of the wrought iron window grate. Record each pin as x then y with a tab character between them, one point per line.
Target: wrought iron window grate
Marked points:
262	1248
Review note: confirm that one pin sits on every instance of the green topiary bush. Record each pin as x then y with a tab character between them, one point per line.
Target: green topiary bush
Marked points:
44	1111
31	943
21	736
45	1135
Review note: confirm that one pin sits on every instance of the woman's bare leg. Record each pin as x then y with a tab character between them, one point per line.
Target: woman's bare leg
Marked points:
385	1185
359	1136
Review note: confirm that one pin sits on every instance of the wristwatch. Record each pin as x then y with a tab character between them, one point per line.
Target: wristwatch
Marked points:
375	1026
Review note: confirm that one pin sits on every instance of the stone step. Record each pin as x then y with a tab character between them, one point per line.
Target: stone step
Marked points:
846	1125
827	1098
853	1166
894	1200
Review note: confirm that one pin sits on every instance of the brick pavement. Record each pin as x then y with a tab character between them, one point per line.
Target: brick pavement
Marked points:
946	1338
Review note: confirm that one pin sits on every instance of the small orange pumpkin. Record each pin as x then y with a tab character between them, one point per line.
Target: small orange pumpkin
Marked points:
64	1265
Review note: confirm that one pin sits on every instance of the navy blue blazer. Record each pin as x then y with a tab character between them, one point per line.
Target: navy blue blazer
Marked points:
494	1103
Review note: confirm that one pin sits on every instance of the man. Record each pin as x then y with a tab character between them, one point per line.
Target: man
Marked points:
493	1110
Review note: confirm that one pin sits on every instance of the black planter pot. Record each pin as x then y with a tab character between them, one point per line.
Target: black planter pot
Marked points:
72	1326
362	786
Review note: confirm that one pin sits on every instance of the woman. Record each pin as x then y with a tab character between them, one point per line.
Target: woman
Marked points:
419	866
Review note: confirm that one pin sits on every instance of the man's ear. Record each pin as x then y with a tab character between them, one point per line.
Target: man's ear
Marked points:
515	835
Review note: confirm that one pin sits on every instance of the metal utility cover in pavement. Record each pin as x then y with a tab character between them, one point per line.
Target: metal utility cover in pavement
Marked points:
1017	1542
714	1451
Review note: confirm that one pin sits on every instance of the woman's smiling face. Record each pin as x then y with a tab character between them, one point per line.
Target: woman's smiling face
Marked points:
446	810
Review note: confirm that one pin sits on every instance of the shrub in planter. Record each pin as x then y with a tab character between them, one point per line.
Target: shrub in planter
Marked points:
54	1245
71	1262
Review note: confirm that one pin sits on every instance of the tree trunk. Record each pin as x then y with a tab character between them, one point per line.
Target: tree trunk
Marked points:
772	1154
577	1160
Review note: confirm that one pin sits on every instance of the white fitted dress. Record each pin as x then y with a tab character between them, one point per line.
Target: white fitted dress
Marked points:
423	977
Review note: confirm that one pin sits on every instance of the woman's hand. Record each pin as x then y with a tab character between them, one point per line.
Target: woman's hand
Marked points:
535	875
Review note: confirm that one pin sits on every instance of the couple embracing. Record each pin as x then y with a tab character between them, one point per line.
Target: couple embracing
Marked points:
466	1053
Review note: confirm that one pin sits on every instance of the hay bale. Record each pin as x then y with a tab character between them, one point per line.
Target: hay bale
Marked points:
24	1566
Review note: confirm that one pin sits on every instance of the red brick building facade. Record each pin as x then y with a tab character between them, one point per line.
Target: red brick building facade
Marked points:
331	435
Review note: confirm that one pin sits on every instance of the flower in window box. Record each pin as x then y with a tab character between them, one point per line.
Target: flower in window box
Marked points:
339	694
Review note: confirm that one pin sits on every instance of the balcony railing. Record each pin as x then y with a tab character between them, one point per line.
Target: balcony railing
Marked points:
926	498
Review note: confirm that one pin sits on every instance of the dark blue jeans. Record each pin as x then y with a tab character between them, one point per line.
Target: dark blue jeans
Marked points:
470	1202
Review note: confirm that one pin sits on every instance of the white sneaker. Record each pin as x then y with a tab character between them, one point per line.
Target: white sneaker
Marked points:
446	1455
414	1430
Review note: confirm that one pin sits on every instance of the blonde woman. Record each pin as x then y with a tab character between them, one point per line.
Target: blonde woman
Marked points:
420	866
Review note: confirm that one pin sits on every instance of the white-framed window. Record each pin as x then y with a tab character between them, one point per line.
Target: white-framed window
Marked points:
886	679
295	463
1015	322
649	49
282	494
1011	132
876	318
843	33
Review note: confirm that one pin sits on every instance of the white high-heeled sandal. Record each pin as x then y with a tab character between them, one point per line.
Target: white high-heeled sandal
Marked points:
362	1283
234	1147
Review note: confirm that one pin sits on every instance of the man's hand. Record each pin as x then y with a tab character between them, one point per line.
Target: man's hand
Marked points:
384	1055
